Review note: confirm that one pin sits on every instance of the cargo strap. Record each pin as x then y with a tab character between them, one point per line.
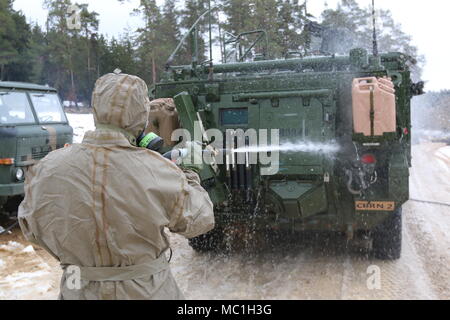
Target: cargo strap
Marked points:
101	274
372	112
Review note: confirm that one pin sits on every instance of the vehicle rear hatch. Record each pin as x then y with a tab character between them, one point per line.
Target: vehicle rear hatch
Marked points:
305	119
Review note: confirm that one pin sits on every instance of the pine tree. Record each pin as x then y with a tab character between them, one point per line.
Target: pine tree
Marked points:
265	17
37	55
193	9
149	41
171	33
358	21
86	46
15	37
118	54
61	47
71	60
288	38
347	15
283	20
237	13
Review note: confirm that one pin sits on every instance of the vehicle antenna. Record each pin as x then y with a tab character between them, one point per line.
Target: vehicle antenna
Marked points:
375	41
308	39
210	42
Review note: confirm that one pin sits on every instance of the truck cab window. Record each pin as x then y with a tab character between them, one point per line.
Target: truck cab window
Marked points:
15	109
48	108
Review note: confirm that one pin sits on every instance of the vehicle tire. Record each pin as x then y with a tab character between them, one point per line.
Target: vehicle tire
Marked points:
387	238
210	241
11	206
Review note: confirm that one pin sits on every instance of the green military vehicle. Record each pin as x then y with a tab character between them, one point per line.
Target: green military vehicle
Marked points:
32	124
344	140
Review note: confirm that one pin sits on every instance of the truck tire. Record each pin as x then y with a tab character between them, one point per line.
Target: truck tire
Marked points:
210	241
11	206
387	238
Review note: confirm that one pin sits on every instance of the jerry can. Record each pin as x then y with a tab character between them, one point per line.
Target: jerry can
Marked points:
374	112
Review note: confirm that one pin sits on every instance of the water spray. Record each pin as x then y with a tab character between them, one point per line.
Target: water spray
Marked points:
290	147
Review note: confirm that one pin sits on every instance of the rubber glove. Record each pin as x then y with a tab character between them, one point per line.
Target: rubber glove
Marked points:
194	157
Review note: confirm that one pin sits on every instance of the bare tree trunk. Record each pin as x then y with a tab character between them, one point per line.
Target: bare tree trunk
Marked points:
154	70
88	63
72	79
222	55
73	93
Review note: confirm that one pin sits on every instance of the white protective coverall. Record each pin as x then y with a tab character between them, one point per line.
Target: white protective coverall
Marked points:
103	205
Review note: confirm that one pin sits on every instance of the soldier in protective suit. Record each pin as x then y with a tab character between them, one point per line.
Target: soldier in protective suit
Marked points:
101	207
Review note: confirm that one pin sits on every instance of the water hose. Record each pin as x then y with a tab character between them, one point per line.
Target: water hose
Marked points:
431	202
349	183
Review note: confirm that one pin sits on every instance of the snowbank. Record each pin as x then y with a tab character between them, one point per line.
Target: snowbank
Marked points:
445	151
12	246
24	274
81	123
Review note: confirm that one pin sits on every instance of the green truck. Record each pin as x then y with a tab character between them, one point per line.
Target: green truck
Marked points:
351	114
32	124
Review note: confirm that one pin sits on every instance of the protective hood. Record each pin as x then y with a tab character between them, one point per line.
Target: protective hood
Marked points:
121	100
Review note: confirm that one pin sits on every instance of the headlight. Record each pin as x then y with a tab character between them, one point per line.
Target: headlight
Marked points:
20	174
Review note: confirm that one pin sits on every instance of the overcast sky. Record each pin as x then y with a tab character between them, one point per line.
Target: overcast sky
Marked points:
426	21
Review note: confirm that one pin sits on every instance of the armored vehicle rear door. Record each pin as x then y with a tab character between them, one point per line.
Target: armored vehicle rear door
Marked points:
303	123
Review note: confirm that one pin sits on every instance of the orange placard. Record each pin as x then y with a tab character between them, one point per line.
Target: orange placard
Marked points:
374	205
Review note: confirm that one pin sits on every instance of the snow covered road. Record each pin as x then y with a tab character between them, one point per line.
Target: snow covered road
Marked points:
323	268
315	268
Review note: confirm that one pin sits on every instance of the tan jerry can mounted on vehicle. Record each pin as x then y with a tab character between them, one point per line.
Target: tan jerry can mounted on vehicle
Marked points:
163	119
374	111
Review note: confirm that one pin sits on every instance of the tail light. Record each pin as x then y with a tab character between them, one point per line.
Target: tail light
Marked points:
7	161
368	159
